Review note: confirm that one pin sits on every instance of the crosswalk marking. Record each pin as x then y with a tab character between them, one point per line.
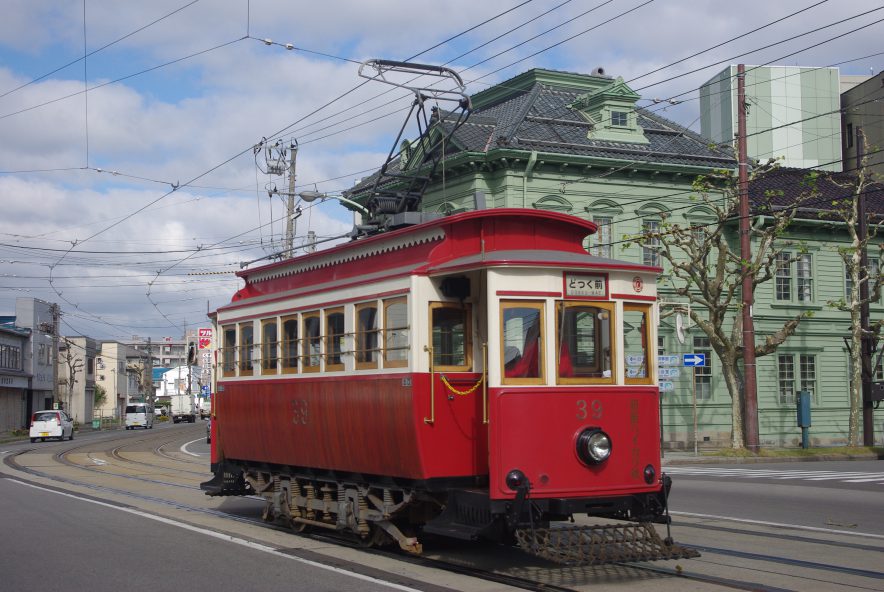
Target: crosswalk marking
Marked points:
782	475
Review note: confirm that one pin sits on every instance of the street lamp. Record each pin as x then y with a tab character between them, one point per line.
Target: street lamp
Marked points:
309	196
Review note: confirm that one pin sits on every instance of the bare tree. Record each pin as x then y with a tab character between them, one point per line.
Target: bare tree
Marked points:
864	287
74	365
705	271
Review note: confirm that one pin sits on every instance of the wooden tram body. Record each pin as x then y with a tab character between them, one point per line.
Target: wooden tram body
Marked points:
445	377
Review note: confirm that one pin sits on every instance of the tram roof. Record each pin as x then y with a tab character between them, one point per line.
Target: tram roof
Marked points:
469	240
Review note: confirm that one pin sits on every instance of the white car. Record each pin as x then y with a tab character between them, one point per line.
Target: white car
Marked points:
139	416
51	423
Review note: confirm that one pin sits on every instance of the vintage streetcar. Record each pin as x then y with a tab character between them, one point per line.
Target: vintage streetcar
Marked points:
478	375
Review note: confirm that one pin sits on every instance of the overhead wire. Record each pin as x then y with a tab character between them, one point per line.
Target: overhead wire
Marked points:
94	235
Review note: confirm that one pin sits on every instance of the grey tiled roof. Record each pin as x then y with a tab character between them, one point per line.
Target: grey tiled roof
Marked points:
785	187
539	118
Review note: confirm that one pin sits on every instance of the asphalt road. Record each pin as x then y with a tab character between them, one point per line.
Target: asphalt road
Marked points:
842	495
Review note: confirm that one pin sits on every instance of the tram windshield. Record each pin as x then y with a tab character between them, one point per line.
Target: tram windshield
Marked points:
522	325
583	342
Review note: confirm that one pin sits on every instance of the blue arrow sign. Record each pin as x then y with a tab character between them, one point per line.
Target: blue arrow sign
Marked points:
693	360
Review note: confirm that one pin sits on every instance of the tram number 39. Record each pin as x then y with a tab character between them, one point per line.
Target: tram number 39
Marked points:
300	411
584	410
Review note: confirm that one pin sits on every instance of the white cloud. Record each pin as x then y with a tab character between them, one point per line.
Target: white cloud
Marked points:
189	121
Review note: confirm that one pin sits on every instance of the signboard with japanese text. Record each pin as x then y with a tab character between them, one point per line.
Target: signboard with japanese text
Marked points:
586	285
205	338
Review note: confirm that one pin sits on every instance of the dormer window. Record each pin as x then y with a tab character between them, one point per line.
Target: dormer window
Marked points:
611	109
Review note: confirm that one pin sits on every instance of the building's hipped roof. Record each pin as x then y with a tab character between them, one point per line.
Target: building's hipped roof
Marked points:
539	118
814	190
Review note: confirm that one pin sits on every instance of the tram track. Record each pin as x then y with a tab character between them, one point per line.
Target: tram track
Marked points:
523	572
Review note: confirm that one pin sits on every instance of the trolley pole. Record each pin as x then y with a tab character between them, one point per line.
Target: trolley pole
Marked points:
750	386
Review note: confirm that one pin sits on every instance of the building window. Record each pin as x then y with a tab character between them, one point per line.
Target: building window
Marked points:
522	342
366	336
703	374
651	244
269	346
450	326
872	275
290	344
619	118
804	278
783	276
10	357
786	378
807	374
848	136
395	333
246	343
603	236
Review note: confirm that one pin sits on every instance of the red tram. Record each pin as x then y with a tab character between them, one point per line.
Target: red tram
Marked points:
476	375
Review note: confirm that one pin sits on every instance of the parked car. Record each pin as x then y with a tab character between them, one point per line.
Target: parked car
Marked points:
209	431
139	415
51	423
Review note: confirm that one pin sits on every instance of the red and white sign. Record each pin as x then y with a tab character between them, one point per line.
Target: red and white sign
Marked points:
205	338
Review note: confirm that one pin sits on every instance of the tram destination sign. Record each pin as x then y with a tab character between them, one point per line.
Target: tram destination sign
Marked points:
583	285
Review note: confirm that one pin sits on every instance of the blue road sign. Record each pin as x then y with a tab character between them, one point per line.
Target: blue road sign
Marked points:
205	390
693	360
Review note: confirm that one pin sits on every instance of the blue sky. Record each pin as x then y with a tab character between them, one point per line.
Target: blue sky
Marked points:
190	120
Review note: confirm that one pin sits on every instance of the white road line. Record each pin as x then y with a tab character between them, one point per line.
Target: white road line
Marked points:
224	537
186	451
778	524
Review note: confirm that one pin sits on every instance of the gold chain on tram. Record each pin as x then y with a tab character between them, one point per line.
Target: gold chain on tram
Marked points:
462	393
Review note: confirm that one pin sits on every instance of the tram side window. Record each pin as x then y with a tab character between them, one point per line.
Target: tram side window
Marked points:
636	332
334	339
522	342
583	342
269	346
451	336
395	333
366	336
228	359
246	344
311	348
290	344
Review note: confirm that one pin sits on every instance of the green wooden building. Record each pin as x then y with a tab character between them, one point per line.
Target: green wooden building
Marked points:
579	144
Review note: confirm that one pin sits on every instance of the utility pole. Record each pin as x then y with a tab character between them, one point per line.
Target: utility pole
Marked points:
750	384
864	322
290	210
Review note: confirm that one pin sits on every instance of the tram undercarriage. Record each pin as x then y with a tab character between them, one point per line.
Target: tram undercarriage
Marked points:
382	515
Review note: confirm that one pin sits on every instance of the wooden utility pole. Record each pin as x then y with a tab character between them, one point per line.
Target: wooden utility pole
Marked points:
750	385
867	348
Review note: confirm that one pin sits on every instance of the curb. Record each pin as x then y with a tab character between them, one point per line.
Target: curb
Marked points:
748	460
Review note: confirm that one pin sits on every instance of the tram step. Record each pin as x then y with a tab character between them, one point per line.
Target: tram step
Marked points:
599	545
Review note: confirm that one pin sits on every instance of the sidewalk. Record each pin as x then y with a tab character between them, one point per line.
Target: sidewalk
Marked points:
772	455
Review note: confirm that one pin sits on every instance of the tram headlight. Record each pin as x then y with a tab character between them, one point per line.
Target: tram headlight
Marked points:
593	446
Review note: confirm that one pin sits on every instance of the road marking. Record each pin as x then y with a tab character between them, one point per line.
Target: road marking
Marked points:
778	524
225	537
782	475
186	451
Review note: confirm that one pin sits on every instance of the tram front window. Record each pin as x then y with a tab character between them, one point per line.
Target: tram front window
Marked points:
583	342
522	340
